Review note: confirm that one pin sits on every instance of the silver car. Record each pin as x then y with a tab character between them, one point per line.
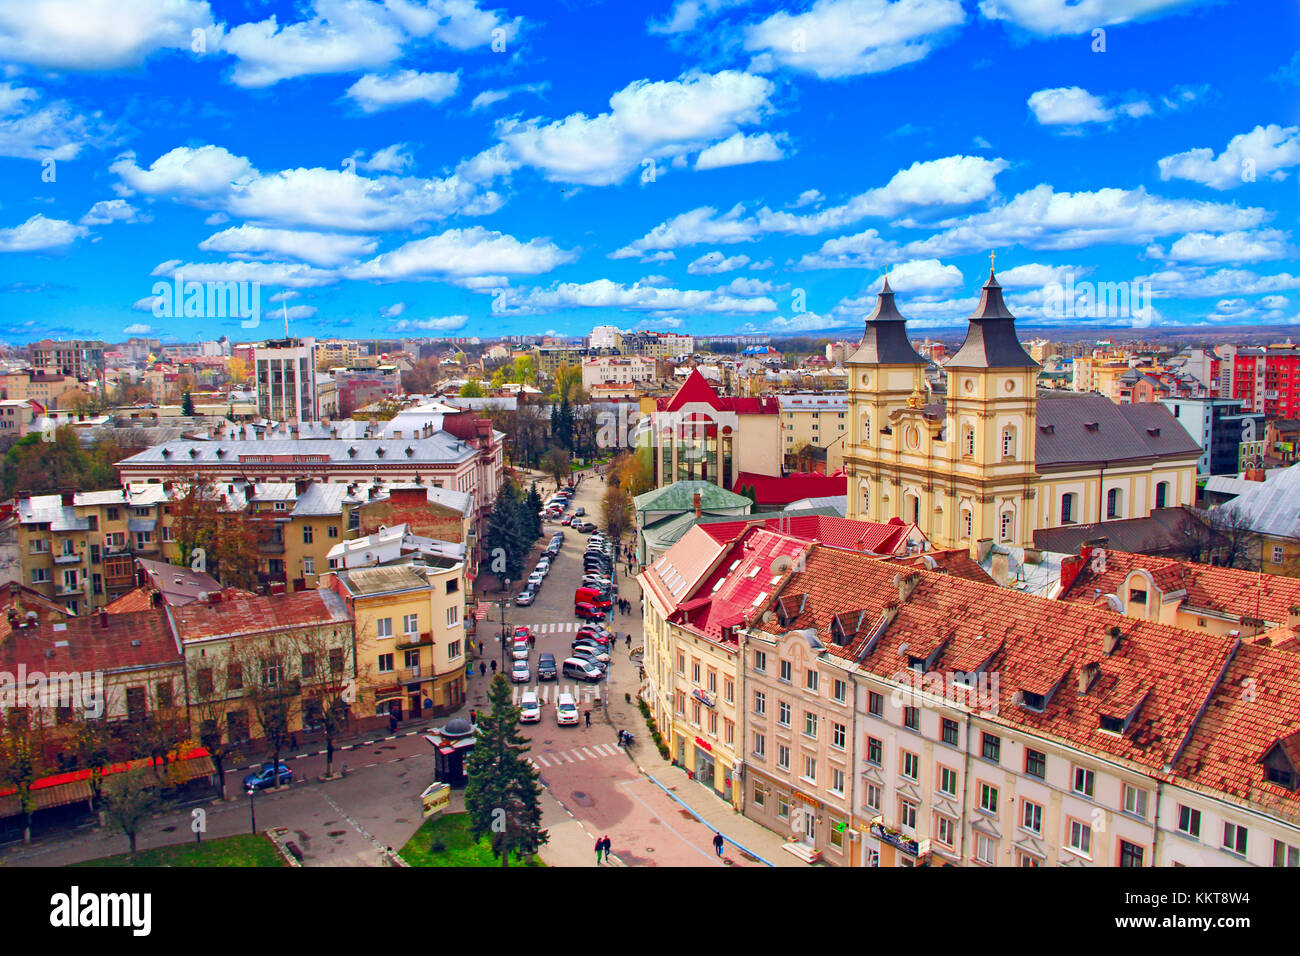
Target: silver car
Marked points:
520	672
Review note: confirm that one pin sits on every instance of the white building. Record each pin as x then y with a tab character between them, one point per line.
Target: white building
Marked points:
287	381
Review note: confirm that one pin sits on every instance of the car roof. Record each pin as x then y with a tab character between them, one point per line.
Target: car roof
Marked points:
565	699
528	697
547	657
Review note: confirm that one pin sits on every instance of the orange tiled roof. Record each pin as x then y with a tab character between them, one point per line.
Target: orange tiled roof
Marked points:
1225	590
254	615
137	599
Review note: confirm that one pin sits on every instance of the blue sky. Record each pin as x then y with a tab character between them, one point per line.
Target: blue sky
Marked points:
473	167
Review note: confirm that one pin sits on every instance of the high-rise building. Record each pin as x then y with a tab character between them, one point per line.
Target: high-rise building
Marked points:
286	380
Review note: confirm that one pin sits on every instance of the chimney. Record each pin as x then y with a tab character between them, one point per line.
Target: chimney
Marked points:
906	584
156	598
103	618
982	548
1070	568
696	503
1088	675
1001	568
1111	641
68	498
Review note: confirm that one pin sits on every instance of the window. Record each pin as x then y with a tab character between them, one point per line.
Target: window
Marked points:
782	757
760	703
411	659
986	849
695	712
306	534
40	546
681	664
1136	596
453	585
945	829
729	690
1285	855
1114	503
1189	821
810	725
308	564
40	575
968	441
1162	494
949	731
729	731
333	531
873	797
1130	854
712	684
1079	837
453	649
1008	524
1234	838
384	627
1135	801
1067	508
907	814
810	680
235	677
1027	859
760	746
875	703
1008	442
912	718
411	624
695	672
836	834
1031	817
875	750
1278	554
453	615
1083	782
308	666
810	768
782	806
760	662
759	798
967	523
385	663
783	714
1035	763
840	691
911	765
786	671
948	781
988	798
163	693
839	734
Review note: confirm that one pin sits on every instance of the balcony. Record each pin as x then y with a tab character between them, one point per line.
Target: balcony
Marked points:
66	590
270	547
424	639
408	675
63	558
895	838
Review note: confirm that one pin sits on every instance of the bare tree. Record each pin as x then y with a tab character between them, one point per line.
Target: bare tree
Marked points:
272	687
329	685
129	798
210	702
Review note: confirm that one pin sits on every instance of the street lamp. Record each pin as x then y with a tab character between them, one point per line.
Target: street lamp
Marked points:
252	809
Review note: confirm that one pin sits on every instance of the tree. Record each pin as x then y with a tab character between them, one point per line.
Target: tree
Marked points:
22	758
502	794
271	687
1236	545
505	538
533	510
471	389
222	542
328	689
210	702
90	747
635	471
616	508
187	404
129	798
556	463
237	369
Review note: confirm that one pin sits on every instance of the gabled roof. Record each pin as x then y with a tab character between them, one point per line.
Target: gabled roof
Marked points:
695	390
256	615
680	496
1081	428
783	489
834	532
97	642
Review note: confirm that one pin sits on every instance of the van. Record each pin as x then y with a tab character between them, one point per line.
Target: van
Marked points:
593	596
566	710
579	669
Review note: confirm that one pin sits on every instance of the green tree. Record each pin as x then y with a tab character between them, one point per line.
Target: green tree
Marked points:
502	794
533	510
556	463
506	539
616	510
129	798
187	403
471	389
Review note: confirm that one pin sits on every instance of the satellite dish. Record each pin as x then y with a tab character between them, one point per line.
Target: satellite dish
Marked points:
780	564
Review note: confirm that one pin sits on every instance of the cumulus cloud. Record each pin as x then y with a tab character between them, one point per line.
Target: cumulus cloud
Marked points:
607	294
1200	283
139	328
373	92
318	248
924	274
1064	17
56	131
112	210
738	150
711	263
464	252
444	323
390	159
97	34
1068	105
292	274
39	233
686	15
865	250
842	38
1266	151
1228	247
393	311
646	122
488	97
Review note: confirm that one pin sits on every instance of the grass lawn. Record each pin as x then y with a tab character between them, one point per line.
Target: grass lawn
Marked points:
459	847
245	850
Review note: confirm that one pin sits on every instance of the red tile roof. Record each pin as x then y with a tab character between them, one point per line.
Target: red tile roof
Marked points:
781	490
697	389
1228	591
98	642
954	561
255	615
136	599
831	530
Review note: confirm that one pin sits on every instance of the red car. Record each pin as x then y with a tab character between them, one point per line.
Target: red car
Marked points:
588	612
568	520
522	632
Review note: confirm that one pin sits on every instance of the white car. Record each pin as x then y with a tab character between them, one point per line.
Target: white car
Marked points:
535	579
519	652
520	673
566	710
530	711
544	564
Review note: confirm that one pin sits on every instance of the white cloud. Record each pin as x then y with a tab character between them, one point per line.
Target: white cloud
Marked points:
807	198
1266	151
750	287
292	274
656	280
604	293
294	312
1199	283
952	180
1228	247
711	263
390	159
924	274
646	121
287	295
139	328
97	34
489	97
805	322
1068	105
459	24
464	252
865	250
1044	219
840	38
373	92
445	323
318	248
393	311
112	210
211	176
1060	17
687	14
55	131
39	233
738	150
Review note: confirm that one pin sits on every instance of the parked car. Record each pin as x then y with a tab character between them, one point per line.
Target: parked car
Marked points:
521	630
579	511
579	669
588	612
546	669
598	581
519	650
593	596
586	527
544	564
530	710
264	776
598	631
598	562
535	580
568	520
566	710
590	651
520	673
524	598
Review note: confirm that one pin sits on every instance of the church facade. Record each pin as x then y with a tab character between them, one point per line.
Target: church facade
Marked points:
998	458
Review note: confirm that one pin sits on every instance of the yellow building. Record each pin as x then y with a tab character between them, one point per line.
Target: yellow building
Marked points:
998	459
818	419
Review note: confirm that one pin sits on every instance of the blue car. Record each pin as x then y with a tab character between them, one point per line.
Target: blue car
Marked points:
264	776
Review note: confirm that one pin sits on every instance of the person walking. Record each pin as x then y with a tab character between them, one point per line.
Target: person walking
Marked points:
473	716
482	669
717	844
605	840
629	643
532	640
587	716
600	848
494	666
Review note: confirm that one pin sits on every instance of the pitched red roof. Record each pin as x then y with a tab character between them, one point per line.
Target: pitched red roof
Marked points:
831	530
255	615
781	490
696	389
107	643
136	599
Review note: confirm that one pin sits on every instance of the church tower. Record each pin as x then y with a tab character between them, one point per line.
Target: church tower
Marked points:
885	374
990	431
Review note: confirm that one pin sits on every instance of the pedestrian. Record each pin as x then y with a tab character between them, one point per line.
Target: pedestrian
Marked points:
600	848
629	643
717	844
494	667
532	640
605	840
587	716
473	716
482	669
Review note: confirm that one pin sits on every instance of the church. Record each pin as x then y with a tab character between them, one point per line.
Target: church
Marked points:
998	458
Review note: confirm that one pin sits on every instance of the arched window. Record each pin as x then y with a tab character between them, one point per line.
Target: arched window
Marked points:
1067	508
1114	503
866	428
967	523
1008	525
912	508
1162	494
968	441
1009	442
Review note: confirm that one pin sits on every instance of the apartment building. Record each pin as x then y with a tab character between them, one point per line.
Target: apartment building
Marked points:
817	419
75	357
617	370
285	373
1266	380
1218	426
15	418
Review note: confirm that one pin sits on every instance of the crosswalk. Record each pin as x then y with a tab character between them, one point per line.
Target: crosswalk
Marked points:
577	755
549	693
554	627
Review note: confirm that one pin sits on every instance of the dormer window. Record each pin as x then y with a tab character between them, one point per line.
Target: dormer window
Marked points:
1137	596
1113	724
1036	702
1283	777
